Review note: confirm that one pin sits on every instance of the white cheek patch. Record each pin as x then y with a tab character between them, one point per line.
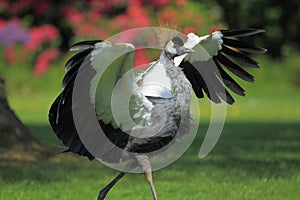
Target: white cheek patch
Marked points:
170	48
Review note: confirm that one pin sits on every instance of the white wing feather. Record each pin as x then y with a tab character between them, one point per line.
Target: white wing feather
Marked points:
114	91
204	47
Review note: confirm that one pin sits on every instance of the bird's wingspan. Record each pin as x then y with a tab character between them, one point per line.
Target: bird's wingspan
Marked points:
214	54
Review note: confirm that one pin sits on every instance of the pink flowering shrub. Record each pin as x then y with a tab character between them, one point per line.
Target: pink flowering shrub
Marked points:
39	31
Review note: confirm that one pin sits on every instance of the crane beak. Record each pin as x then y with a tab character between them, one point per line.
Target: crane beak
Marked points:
183	50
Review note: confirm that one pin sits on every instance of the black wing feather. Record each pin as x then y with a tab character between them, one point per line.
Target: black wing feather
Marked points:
229	82
241	32
234	68
215	87
60	113
248	48
202	76
73	65
240	58
84	45
195	79
77	58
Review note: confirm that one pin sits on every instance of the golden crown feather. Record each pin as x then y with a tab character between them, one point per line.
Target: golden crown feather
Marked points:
166	32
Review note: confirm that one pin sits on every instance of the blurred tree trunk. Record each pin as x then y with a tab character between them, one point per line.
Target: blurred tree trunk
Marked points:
16	142
12	130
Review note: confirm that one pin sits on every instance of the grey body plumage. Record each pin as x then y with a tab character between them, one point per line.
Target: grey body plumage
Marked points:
168	113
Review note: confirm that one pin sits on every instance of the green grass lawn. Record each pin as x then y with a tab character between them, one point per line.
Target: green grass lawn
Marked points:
250	161
256	157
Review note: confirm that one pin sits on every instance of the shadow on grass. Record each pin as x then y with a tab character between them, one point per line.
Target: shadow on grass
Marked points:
255	149
268	149
43	133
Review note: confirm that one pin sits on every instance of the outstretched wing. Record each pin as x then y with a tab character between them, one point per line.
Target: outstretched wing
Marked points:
214	55
61	111
114	90
111	62
94	74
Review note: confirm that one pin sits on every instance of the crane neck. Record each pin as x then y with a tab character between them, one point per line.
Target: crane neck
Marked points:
181	87
166	59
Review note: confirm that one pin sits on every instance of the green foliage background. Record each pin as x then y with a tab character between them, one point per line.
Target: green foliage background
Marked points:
280	19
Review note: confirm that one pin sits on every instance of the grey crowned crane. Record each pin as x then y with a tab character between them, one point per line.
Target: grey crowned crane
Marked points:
162	111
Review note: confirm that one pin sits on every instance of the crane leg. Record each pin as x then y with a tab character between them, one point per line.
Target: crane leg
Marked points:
144	162
105	190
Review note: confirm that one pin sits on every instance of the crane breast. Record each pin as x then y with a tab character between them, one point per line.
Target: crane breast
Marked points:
155	82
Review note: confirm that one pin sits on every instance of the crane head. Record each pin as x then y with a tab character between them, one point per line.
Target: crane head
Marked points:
175	47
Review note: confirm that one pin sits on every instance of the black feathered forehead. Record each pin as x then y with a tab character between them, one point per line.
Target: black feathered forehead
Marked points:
177	40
